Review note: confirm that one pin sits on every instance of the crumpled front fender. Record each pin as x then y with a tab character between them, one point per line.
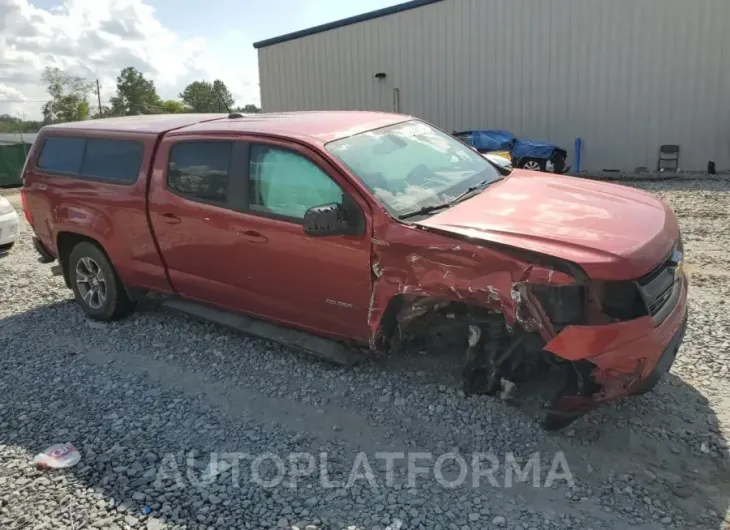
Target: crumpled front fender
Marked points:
412	261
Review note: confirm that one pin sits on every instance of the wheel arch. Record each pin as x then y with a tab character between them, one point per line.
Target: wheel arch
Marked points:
403	310
66	241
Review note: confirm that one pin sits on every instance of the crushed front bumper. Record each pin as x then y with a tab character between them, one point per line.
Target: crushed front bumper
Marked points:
624	355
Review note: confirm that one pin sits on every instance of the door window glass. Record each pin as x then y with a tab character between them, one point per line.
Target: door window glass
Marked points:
200	170
285	183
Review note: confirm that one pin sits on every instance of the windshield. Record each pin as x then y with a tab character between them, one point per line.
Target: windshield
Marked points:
412	165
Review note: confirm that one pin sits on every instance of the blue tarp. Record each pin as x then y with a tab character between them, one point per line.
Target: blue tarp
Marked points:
528	148
496	140
493	140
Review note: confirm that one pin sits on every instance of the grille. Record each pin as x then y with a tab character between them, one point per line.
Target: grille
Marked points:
657	286
656	306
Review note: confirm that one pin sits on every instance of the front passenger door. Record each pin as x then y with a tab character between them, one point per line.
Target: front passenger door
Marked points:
320	283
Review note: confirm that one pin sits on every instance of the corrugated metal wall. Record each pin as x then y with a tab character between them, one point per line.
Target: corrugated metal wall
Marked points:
624	75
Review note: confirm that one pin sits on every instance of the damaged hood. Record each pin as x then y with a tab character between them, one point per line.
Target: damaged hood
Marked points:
613	232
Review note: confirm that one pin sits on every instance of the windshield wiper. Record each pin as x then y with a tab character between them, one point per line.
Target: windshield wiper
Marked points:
425	210
471	189
435	207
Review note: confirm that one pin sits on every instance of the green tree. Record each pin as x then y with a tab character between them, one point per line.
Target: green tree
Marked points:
224	96
250	109
203	96
135	94
69	96
106	112
173	106
197	95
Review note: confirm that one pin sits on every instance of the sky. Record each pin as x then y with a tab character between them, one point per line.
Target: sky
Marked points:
173	42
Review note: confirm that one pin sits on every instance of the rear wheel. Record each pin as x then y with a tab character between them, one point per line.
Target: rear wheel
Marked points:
6	247
532	164
96	285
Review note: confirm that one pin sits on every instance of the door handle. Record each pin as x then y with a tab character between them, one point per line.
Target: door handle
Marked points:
253	236
170	218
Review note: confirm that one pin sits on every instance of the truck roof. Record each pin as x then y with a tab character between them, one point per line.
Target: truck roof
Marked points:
312	126
150	123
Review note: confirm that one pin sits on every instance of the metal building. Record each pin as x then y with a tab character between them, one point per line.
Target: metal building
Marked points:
623	75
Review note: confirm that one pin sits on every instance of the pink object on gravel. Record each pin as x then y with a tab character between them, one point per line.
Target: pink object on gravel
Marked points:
58	456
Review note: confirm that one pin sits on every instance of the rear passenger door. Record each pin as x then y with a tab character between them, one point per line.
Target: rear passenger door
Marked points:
194	200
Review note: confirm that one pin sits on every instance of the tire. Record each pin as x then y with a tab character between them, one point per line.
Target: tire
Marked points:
532	164
554	420
96	285
6	247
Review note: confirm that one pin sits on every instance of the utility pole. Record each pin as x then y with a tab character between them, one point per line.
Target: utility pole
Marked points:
98	96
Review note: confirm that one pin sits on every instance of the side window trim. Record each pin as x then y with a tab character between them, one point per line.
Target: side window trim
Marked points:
236	171
238	176
270	215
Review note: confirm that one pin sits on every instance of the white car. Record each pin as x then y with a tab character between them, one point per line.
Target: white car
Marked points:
8	226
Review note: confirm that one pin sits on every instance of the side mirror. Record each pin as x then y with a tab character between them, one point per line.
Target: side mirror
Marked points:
326	220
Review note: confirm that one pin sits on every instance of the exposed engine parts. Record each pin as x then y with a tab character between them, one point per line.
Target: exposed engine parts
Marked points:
497	359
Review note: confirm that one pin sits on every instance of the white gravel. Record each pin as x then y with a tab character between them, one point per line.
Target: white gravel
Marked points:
138	396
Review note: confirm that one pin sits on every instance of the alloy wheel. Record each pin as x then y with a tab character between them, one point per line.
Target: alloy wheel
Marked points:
91	283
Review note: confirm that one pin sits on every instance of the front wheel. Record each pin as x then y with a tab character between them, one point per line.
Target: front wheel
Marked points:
96	285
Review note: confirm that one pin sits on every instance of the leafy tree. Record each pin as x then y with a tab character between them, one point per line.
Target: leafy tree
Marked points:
105	112
223	94
203	96
173	106
250	109
135	94
69	97
197	96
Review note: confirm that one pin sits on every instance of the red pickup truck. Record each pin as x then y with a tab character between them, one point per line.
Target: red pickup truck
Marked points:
344	232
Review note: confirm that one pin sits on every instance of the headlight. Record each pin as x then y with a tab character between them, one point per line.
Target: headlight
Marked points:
5	206
563	304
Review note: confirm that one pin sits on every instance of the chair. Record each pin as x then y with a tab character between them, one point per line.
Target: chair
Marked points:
668	157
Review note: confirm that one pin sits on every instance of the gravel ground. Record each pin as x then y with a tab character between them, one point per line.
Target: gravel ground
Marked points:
148	401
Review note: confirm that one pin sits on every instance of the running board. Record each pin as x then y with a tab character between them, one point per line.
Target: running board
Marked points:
326	349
